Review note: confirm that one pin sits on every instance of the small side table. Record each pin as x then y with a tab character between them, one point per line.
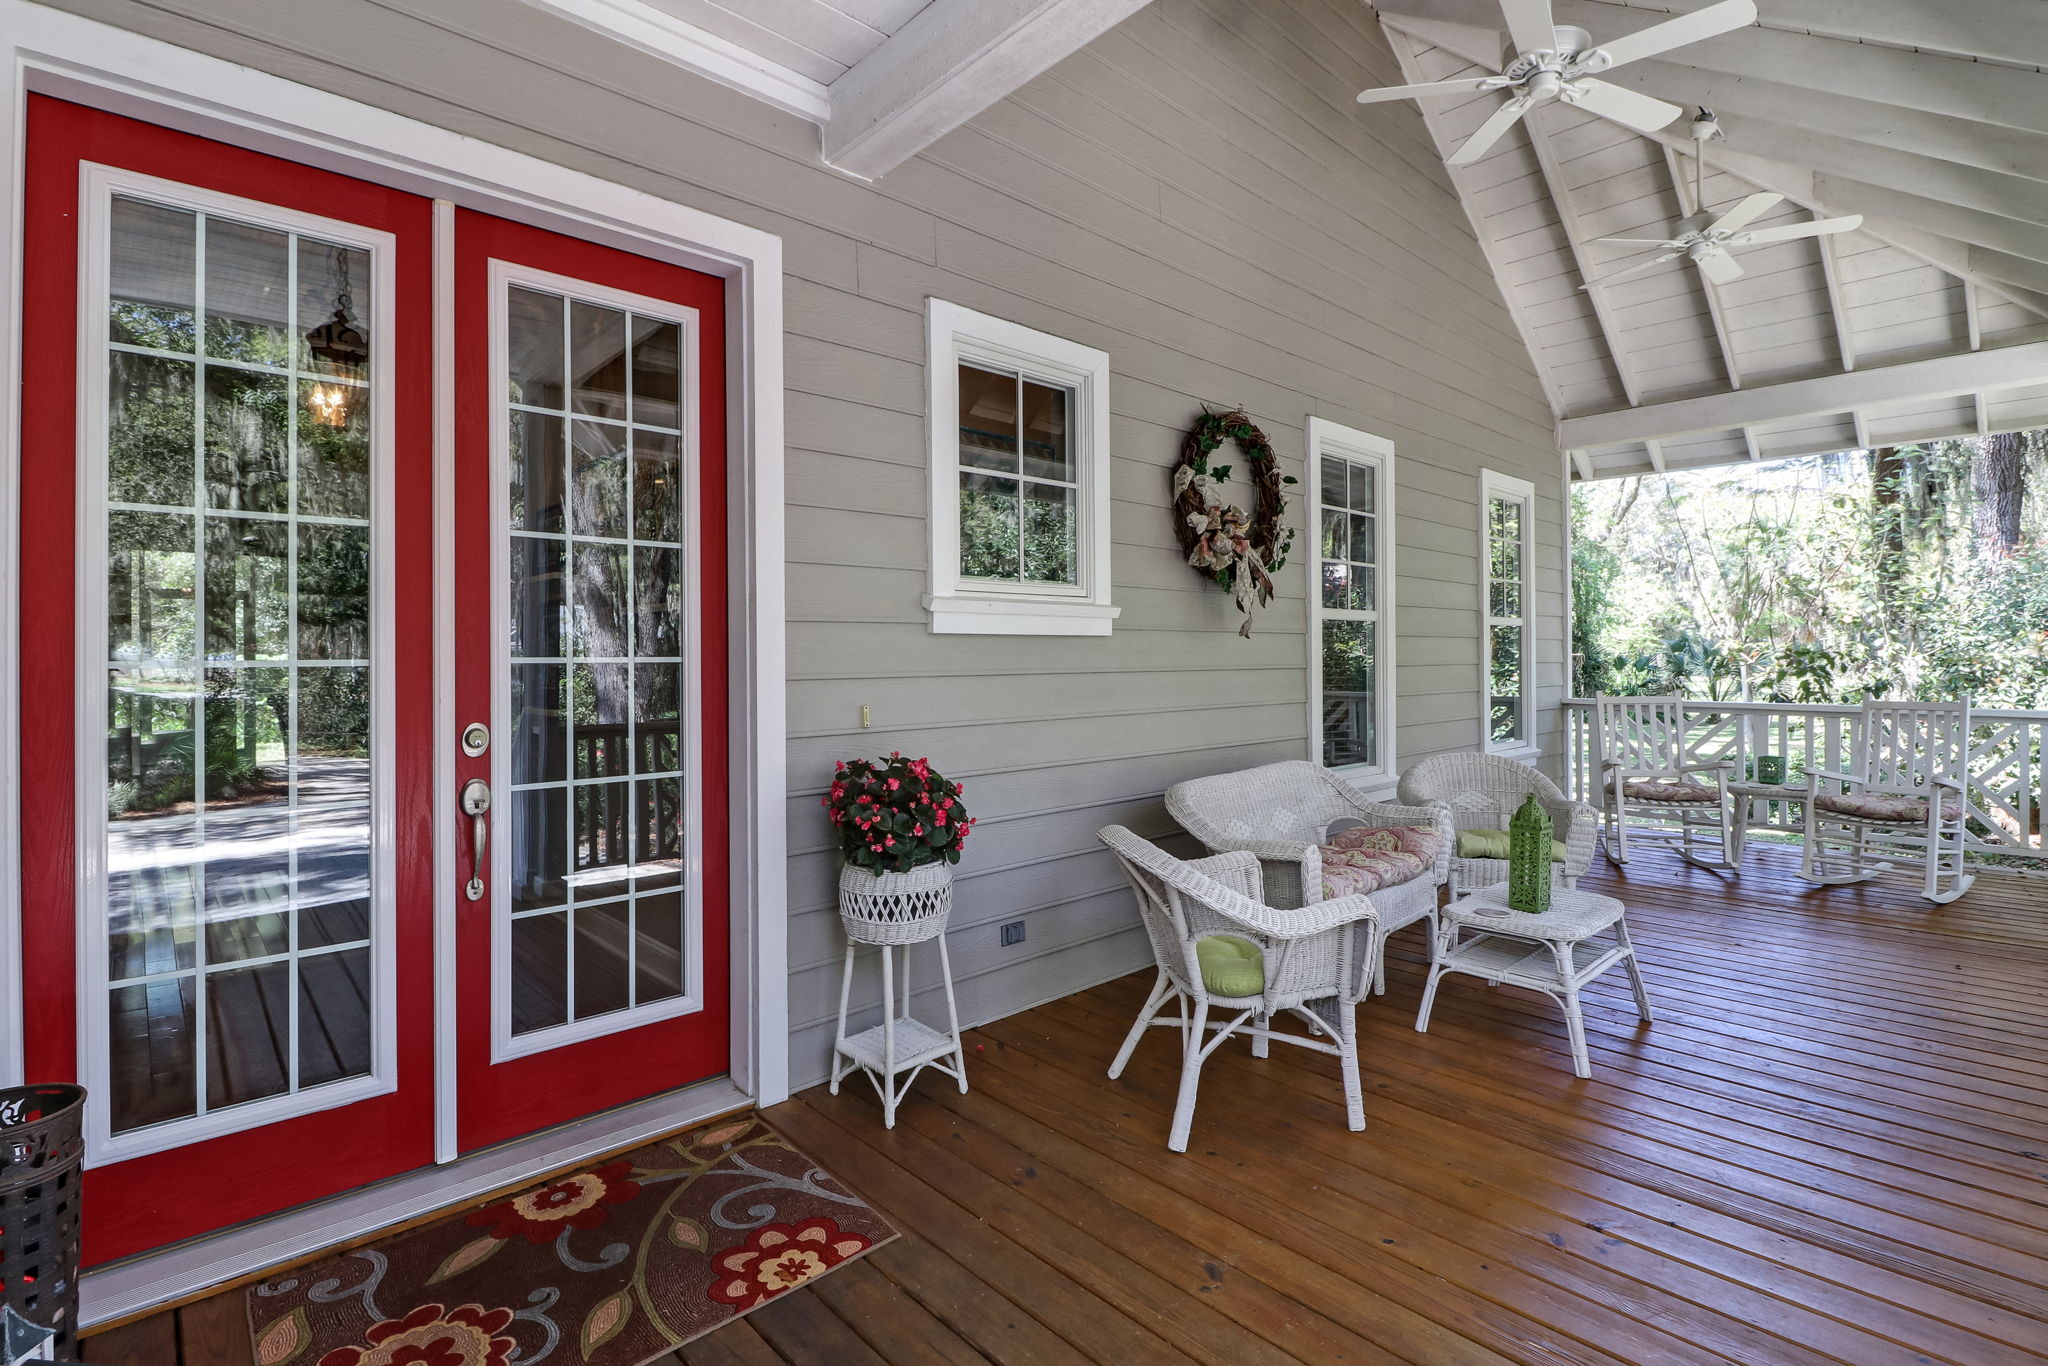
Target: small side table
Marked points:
894	912
1581	937
1746	794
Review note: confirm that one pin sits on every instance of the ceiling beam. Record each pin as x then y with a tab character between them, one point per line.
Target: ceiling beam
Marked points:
950	62
1866	122
1845	337
2025	241
1942	377
1749	443
1973	316
661	34
1538	122
1407	50
1715	311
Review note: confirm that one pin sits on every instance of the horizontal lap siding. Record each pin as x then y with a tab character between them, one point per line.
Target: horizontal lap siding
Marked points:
1195	193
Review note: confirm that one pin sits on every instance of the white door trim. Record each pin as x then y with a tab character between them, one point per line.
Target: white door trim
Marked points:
50	52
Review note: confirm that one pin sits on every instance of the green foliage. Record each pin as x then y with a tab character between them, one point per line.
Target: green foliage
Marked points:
1821	579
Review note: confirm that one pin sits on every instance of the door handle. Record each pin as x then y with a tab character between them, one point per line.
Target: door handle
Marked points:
476	804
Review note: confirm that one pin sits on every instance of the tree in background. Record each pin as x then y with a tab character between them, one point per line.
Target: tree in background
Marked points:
1910	570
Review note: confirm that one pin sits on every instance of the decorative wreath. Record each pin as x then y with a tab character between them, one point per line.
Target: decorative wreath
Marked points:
1240	552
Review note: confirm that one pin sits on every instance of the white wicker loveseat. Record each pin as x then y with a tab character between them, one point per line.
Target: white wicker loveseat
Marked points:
1483	791
1310	962
1283	813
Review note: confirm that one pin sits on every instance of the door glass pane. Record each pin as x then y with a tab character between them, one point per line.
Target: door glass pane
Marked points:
238	646
596	824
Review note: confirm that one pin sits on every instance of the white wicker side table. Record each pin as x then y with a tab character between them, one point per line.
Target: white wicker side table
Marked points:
891	912
1580	937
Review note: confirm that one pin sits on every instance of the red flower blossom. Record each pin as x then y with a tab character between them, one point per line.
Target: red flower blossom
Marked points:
781	1257
433	1335
579	1201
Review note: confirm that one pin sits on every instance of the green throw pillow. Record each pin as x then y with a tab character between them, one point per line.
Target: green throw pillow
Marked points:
1494	844
1231	966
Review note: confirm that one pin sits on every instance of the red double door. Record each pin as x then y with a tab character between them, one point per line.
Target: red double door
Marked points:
234	546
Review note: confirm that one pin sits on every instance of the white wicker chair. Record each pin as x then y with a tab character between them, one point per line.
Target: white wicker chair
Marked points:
1316	961
1283	812
1906	796
1639	753
1482	791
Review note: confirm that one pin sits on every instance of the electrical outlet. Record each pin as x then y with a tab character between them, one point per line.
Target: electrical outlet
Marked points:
1013	933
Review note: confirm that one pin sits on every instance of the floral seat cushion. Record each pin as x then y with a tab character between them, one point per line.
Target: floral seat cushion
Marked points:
1369	859
1652	790
1885	806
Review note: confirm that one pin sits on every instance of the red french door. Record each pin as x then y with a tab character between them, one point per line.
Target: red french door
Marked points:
226	671
228	597
591	659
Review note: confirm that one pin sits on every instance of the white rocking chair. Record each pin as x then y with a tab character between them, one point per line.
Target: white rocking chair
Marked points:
1315	963
1639	753
1906	795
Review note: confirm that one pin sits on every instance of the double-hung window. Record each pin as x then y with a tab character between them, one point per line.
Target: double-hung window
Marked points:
1019	429
1507	521
1350	594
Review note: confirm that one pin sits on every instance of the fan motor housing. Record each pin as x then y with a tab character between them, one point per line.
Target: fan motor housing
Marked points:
1567	40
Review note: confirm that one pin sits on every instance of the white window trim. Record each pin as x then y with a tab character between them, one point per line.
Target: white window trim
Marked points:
1324	436
1493	484
953	335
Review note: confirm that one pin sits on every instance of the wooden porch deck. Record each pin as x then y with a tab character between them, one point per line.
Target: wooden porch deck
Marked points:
1831	1147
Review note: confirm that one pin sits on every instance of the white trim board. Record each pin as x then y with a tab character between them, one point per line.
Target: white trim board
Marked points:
51	52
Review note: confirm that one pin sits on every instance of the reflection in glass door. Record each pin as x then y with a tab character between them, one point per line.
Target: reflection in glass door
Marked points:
242	977
597	893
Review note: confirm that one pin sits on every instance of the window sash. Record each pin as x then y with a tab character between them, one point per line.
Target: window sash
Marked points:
1496	493
1335	737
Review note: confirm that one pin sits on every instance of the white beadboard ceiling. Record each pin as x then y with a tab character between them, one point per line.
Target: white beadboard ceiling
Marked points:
822	39
1929	119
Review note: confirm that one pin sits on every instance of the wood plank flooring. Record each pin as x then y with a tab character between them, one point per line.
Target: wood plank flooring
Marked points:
1831	1147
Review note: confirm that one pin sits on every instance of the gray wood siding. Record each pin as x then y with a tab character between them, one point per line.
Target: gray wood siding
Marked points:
1197	194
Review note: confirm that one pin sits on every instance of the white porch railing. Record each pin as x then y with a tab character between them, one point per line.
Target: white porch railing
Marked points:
2006	761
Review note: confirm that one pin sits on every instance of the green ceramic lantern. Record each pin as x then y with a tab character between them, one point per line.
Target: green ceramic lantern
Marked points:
1529	858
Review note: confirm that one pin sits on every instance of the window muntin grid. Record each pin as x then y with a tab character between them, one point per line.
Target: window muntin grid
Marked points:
1020	493
238	841
595	816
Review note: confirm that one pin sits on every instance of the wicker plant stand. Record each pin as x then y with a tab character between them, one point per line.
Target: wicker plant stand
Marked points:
1582	936
892	911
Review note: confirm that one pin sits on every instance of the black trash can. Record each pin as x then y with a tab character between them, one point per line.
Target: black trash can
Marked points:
42	1147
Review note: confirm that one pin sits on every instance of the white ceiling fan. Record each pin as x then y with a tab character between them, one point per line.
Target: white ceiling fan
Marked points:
1706	241
1546	62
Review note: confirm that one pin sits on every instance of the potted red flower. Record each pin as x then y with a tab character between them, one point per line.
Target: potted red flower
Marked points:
901	826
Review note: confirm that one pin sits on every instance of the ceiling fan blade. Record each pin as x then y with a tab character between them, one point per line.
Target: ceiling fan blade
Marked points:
1636	269
1819	227
1718	266
1687	28
1410	92
1530	25
1490	132
1639	112
1746	212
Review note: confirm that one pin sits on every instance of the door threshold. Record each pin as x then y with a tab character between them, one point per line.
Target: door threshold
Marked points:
138	1285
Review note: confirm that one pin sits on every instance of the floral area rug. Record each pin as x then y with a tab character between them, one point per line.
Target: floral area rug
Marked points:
611	1265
